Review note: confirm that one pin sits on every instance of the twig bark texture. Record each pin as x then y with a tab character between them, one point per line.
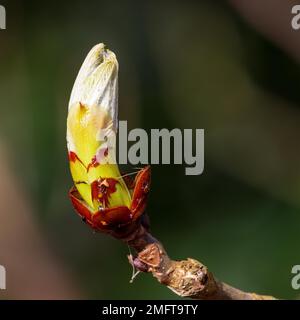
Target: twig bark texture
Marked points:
187	278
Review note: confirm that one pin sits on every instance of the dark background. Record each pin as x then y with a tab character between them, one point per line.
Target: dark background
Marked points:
231	68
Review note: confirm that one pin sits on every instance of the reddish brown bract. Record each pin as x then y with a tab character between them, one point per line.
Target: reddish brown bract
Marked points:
109	219
102	189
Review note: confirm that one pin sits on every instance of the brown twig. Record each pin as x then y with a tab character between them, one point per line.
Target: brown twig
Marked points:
187	278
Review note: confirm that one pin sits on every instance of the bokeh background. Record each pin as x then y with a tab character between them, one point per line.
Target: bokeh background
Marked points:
230	67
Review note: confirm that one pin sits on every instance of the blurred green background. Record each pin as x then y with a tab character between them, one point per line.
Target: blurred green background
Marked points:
182	64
